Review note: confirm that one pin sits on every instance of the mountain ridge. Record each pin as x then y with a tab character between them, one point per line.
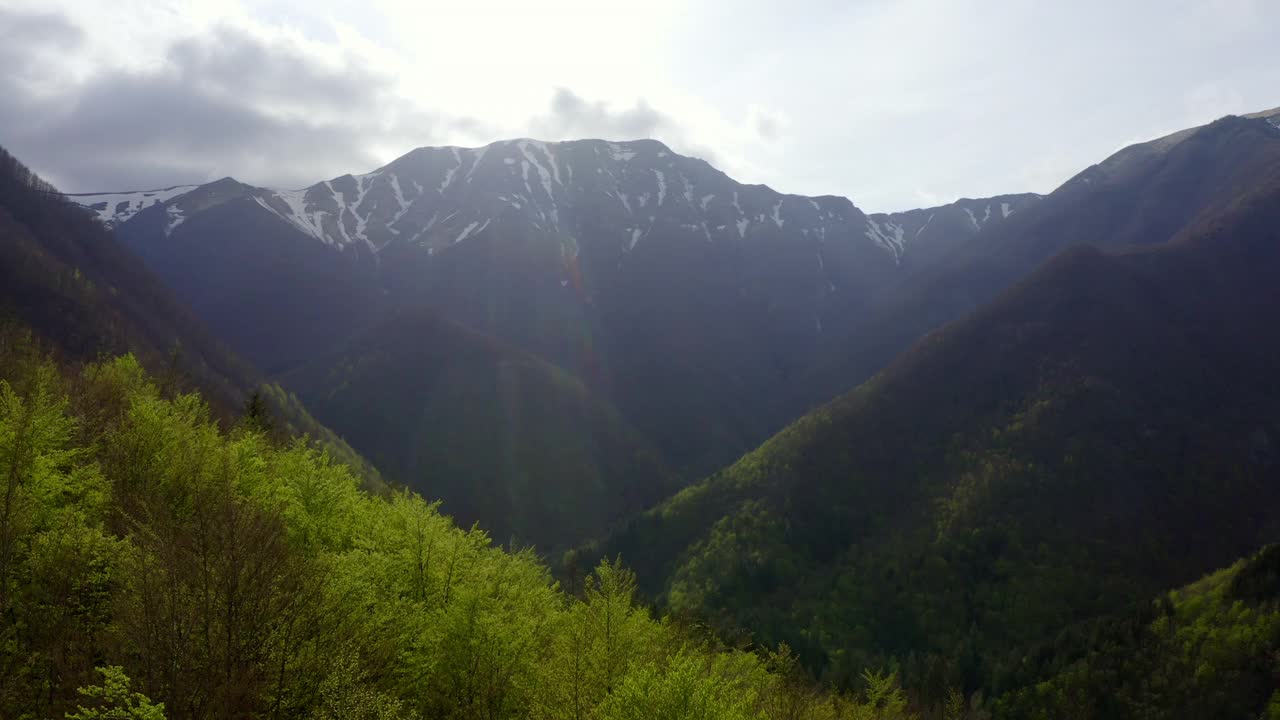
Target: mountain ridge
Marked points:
310	211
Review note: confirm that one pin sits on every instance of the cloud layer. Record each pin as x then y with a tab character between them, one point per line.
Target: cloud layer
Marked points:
227	103
894	103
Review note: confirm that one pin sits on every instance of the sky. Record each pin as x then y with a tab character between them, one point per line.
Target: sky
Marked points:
893	103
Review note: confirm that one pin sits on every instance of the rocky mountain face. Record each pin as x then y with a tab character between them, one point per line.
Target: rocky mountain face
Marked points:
686	298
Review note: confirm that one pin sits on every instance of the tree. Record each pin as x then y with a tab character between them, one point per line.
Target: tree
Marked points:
257	416
115	700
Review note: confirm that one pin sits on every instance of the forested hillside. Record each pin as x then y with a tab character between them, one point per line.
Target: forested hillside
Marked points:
71	281
1103	431
501	437
1208	650
155	566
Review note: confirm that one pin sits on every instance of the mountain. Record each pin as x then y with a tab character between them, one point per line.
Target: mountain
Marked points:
1144	194
273	294
684	298
72	282
68	280
502	438
1105	429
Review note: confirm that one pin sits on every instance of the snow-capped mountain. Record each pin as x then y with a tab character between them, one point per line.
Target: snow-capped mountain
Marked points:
438	197
653	275
434	198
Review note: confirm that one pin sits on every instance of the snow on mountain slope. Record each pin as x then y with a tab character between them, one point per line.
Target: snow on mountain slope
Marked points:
118	207
437	197
939	228
433	195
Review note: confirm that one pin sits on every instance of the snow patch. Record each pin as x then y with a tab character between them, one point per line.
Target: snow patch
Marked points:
1004	210
475	228
524	170
888	236
480	153
973	220
543	173
777	214
400	199
706	199
450	172
176	218
662	186
135	202
309	223
923	227
362	221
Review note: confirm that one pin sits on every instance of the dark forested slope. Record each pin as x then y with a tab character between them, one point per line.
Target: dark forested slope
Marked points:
1106	429
501	437
1144	194
71	281
85	295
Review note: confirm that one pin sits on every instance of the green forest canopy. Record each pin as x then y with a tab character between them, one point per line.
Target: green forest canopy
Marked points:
153	564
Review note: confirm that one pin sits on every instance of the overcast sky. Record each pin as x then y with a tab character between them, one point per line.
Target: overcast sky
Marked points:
893	103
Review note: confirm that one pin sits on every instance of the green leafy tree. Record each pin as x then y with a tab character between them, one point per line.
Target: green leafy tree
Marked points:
681	689
115	700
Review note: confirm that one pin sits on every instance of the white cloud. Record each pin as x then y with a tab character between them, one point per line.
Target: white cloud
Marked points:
886	101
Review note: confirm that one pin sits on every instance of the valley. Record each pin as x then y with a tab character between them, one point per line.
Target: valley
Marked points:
505	430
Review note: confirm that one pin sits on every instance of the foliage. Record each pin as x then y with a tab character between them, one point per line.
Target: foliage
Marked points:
1210	650
115	700
155	565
